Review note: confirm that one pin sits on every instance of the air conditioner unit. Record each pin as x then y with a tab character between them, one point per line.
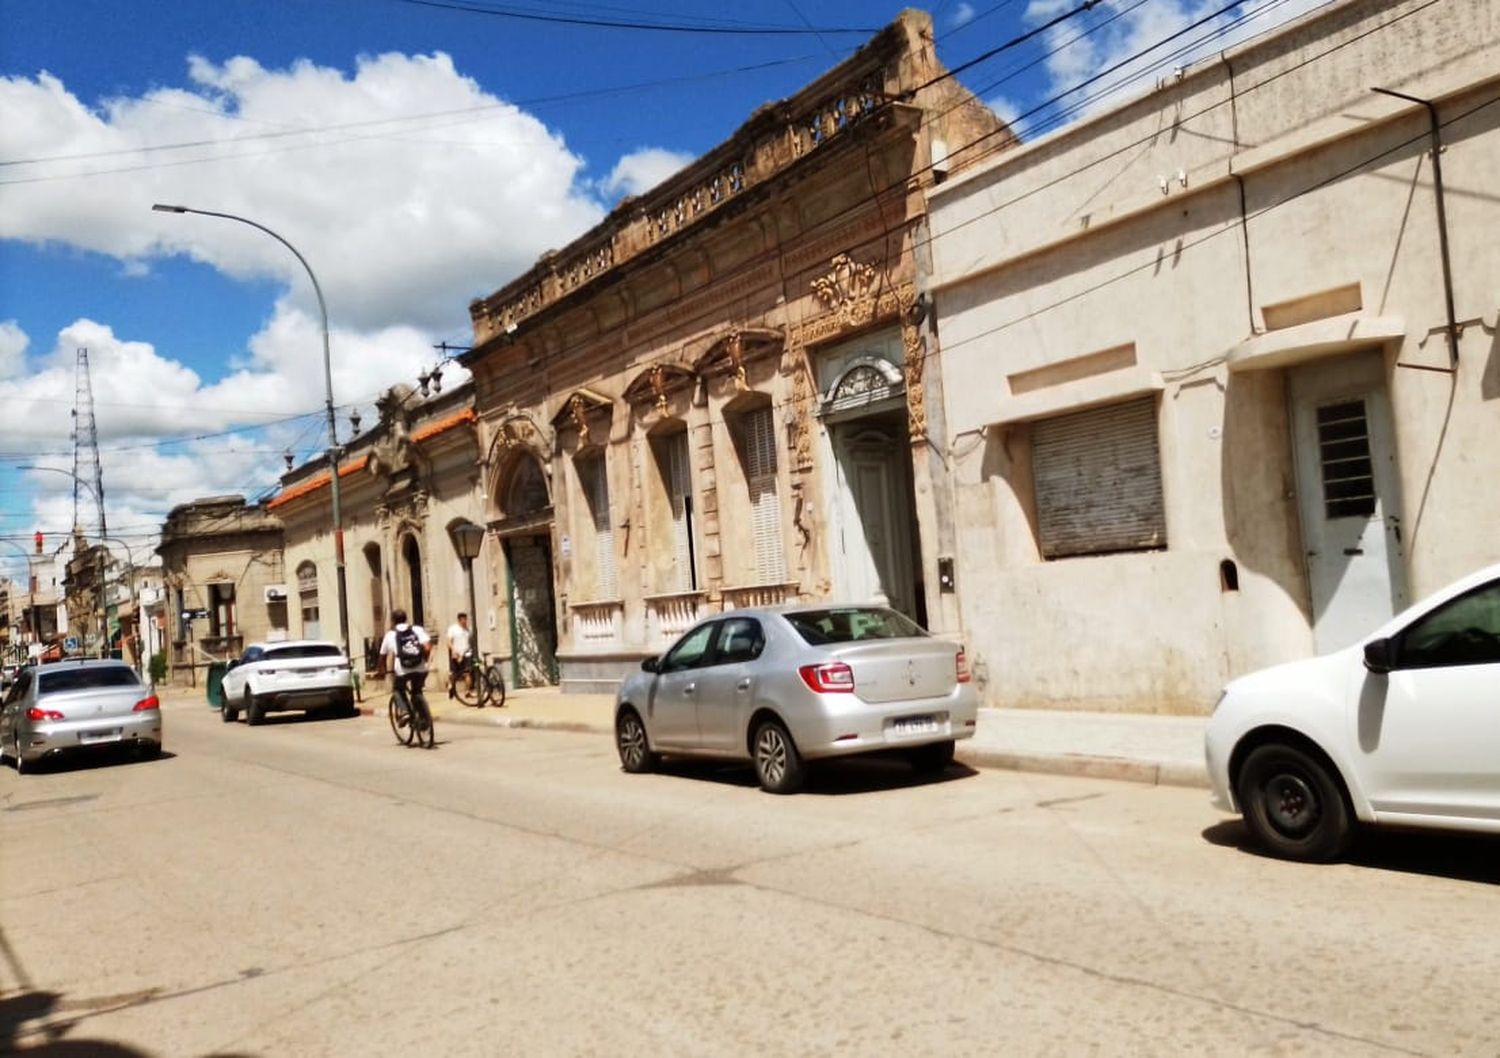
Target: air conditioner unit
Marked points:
275	593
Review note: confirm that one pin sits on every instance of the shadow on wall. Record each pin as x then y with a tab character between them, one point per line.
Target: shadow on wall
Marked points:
1259	484
1489	382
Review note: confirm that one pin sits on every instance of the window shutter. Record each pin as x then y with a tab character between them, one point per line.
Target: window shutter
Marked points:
596	485
679	488
759	440
1098	481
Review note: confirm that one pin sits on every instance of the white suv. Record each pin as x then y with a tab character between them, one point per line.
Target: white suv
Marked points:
1401	728
274	677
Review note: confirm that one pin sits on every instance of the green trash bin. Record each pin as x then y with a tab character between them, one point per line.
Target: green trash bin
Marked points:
216	670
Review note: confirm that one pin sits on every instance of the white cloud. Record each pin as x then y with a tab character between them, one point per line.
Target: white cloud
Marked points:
1007	110
403	220
13	343
641	170
962	15
1135	36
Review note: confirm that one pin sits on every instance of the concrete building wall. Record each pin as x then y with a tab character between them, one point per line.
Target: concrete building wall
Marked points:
1117	260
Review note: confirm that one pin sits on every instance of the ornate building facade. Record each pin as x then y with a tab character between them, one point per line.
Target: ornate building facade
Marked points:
718	397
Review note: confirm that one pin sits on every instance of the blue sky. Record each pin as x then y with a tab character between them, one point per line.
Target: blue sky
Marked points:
419	153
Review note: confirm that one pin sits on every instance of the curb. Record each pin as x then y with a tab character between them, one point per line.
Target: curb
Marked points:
1081	765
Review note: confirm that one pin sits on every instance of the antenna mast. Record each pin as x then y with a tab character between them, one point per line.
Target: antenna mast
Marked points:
86	466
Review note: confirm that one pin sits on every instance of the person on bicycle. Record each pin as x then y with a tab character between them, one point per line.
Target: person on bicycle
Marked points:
408	646
459	643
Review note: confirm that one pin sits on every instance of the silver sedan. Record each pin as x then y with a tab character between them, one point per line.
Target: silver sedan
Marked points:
781	687
78	705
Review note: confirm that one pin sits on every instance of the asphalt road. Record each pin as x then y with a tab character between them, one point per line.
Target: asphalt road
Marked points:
311	888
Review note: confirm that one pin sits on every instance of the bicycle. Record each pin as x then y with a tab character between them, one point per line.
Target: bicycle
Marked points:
411	721
480	683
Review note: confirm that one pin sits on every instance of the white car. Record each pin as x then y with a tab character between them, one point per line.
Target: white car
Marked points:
1401	728
301	675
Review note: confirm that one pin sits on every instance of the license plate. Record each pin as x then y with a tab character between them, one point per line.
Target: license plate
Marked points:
914	725
112	735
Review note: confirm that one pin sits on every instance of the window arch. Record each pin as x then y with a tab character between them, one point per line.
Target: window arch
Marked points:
525	490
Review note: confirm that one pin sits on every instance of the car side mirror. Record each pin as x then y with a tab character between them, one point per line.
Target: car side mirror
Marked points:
1380	655
232	664
650	664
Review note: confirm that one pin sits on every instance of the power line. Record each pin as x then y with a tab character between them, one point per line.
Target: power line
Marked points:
727	29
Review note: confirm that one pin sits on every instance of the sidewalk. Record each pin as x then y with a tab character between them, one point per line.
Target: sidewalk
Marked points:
1165	750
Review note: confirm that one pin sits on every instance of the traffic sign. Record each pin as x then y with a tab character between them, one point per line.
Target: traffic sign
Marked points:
70	644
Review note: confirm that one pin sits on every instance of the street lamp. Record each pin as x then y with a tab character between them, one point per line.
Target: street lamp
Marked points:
100	554
468	538
333	437
36	620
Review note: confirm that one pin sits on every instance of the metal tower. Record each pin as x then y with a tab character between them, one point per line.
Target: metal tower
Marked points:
87	471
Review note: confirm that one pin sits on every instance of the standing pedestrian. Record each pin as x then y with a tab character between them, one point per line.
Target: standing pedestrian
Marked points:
460	642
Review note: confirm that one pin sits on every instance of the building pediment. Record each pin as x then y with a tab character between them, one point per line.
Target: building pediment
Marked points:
658	383
582	411
728	353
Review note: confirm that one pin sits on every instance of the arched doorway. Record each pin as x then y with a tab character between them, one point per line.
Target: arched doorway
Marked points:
525	528
411	555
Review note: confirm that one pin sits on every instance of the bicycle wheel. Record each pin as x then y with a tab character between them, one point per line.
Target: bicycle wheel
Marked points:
400	717
426	731
469	685
494	678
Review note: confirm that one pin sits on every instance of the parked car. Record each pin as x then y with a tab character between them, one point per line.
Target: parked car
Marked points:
78	705
781	687
1401	728
276	677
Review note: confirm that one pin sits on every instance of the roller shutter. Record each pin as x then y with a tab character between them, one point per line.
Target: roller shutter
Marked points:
1098	481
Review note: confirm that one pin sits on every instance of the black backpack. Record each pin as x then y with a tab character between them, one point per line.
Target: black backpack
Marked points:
408	647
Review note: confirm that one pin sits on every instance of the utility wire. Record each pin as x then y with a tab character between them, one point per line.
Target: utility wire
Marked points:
658	27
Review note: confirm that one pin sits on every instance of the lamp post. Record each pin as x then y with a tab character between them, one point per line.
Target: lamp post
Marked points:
333	437
468	538
100	553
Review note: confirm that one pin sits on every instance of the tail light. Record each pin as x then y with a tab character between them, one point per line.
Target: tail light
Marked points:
146	704
43	714
832	678
961	666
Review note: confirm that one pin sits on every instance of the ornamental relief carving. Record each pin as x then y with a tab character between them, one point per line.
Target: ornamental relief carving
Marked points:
916	397
847	288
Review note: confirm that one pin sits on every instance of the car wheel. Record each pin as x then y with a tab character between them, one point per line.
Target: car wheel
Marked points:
630	739
932	758
1294	805
778	765
15	752
148	750
228	713
254	711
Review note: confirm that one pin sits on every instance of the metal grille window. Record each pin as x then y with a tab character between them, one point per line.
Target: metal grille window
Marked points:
596	491
1098	481
1344	460
758	450
680	496
307	594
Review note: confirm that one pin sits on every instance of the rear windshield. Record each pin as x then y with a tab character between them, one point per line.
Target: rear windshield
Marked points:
311	650
60	682
852	624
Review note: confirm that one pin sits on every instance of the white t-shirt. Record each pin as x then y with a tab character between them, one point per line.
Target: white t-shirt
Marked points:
459	639
388	648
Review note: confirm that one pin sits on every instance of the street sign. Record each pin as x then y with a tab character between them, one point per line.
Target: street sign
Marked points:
70	644
194	615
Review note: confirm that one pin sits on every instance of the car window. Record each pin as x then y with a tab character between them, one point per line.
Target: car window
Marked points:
851	624
304	650
251	654
60	681
740	639
18	689
1463	631
690	650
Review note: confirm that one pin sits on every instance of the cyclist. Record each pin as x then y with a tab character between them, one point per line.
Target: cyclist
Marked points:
459	643
408	645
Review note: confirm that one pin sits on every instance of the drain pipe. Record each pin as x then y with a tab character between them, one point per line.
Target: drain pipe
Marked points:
1239	181
1442	212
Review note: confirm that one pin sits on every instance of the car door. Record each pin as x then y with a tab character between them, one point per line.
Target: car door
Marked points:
726	687
10	710
1429	730
672	715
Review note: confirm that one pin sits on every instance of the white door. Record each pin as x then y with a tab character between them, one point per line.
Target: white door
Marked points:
1429	731
1349	494
874	519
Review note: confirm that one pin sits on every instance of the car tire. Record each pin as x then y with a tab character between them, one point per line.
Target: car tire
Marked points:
632	744
148	750
1294	804
228	713
932	758
778	766
15	751
254	711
